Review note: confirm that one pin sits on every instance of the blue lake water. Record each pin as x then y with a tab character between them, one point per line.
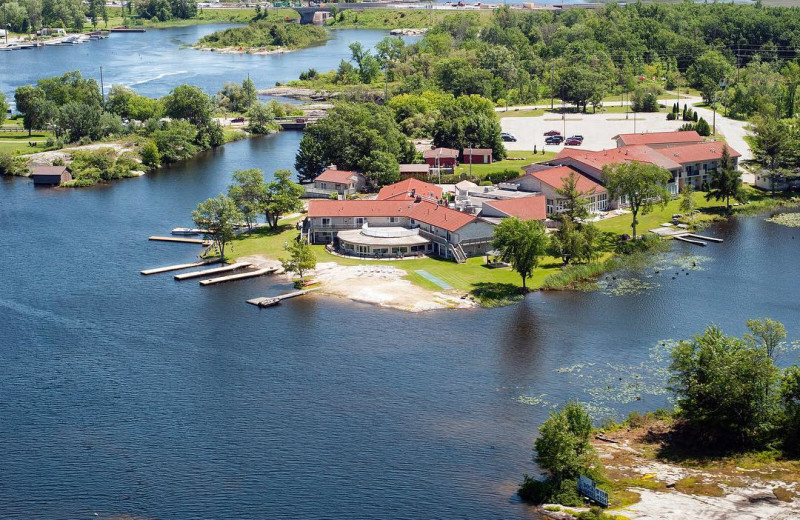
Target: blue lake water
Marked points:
145	397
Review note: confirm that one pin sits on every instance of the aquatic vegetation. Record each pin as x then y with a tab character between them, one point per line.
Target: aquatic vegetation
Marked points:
786	219
624	286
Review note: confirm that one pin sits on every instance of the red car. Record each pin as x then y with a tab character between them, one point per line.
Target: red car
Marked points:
572	142
237	120
552	132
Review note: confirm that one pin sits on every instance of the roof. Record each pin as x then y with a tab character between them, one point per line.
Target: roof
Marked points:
555	177
337	176
402	190
708	151
48	170
424	211
414	168
477	151
525	208
440	152
680	136
635	153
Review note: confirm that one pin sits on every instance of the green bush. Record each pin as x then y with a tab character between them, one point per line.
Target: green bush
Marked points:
150	155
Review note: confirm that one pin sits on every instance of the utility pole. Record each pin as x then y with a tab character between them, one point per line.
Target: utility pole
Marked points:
552	69
470	160
102	89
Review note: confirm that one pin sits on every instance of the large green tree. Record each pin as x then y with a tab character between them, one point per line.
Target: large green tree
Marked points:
219	216
280	196
246	191
190	103
520	243
640	185
726	181
301	258
708	72
467	121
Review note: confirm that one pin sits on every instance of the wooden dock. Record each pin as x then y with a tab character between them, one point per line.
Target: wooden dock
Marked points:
216	270
268	301
240	276
702	237
177	267
198	241
683	238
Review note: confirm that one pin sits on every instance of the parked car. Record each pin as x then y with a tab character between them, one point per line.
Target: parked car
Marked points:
578	137
237	120
552	132
508	137
554	139
573	142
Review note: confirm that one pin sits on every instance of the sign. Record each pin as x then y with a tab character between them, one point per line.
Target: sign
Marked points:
587	487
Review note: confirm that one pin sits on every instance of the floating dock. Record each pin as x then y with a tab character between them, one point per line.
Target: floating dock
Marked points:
177	267
216	270
269	301
198	241
701	237
683	238
240	276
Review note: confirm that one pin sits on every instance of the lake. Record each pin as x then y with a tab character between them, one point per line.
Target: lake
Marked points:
140	396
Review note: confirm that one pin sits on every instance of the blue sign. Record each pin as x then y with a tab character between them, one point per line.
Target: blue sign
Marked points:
587	487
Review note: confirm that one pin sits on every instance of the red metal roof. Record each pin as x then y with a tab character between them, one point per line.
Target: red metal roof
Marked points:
402	190
680	136
555	177
338	176
424	211
440	152
691	153
524	208
635	153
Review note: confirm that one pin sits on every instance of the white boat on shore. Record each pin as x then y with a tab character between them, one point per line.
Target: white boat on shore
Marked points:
188	231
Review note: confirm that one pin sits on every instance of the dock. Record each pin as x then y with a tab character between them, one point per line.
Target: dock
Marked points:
177	267
683	238
268	301
216	270
198	241
701	237
240	276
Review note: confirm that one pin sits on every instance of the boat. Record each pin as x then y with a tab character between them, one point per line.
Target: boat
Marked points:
188	231
269	302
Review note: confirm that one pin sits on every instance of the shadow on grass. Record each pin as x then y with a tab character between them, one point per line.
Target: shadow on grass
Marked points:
494	294
265	231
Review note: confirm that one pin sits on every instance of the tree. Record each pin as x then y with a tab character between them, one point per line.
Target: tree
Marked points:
310	160
246	191
280	196
707	73
726	182
645	97
301	258
219	216
771	141
571	242
687	200
32	102
790	401
576	203
767	334
175	142
3	108
641	185
77	120
702	127
381	169
150	155
520	243
188	102
468	121
726	390
261	118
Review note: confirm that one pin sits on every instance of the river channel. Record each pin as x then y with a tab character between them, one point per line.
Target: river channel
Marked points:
140	396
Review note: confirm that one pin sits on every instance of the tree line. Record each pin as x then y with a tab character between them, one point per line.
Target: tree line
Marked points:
731	397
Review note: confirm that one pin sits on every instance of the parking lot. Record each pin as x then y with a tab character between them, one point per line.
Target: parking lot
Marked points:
597	129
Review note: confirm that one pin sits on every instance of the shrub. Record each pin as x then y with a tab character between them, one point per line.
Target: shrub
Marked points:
150	155
671	116
702	127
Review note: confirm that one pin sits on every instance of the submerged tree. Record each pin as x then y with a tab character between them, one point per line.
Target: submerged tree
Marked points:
520	243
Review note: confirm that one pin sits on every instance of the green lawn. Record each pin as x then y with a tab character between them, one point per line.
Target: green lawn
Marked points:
17	142
527	157
521	113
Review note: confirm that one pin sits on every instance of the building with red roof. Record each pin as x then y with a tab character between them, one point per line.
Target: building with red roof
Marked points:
409	189
441	157
332	180
549	180
524	208
476	155
417	171
659	139
448	233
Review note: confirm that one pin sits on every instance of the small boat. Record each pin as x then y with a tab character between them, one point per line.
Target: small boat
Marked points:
269	302
188	231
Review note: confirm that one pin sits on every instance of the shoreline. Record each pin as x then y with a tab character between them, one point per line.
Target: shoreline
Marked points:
259	51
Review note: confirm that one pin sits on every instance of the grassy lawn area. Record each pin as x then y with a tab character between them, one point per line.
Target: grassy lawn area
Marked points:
516	112
17	142
515	161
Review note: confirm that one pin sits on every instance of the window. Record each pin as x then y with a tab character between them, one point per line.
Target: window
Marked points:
326	222
393	220
360	221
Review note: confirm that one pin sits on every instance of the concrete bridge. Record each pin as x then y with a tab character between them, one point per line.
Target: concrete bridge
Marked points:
309	14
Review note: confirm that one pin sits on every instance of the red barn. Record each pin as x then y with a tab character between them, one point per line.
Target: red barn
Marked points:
441	157
477	155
